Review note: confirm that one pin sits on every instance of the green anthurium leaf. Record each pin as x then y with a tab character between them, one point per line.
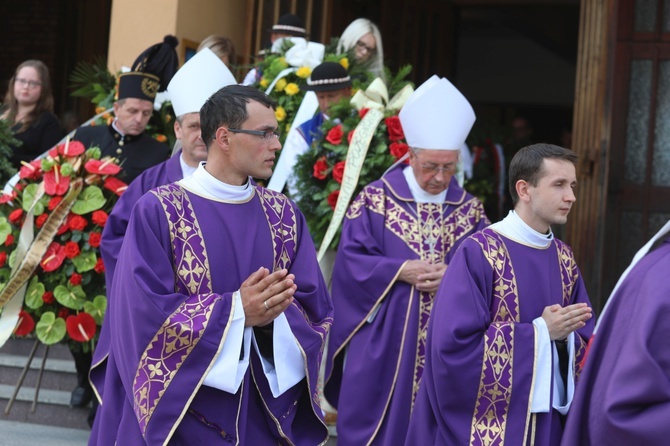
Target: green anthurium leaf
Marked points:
91	199
50	329
97	308
34	293
38	209
5	229
85	261
29	195
12	259
73	298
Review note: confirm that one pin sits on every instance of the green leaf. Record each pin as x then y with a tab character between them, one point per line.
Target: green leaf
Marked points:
34	293
29	195
91	199
50	329
5	229
85	261
97	308
73	298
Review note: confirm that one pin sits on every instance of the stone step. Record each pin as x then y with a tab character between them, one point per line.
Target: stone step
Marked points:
22	434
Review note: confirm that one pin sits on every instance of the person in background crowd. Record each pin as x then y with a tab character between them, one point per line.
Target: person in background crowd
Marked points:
398	237
218	305
28	109
363	37
221	46
511	321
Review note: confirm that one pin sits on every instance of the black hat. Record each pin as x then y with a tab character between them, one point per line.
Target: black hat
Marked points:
135	84
328	76
290	24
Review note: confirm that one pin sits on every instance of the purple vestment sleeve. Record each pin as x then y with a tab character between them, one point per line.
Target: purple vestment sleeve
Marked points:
623	397
480	361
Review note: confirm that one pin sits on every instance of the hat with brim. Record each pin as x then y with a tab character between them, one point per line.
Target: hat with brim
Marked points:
290	24
329	76
138	85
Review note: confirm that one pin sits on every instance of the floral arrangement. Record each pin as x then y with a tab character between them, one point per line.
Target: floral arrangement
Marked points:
95	82
319	171
66	197
6	141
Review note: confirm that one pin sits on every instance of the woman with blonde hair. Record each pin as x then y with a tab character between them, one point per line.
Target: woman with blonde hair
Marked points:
363	37
222	47
28	109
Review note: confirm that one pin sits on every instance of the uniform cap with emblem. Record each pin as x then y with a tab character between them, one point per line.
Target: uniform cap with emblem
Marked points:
437	116
151	72
329	76
203	75
290	24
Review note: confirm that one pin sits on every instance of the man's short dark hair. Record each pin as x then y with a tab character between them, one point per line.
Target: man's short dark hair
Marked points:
228	107
527	164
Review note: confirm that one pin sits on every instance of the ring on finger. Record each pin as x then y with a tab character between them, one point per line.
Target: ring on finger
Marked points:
266	305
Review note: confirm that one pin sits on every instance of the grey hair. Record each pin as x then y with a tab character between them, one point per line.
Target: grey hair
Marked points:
352	34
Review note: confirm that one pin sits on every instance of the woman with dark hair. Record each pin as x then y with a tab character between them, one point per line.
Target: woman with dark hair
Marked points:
28	108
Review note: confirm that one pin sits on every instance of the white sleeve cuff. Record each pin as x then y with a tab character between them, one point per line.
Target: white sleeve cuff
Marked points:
228	370
541	390
289	368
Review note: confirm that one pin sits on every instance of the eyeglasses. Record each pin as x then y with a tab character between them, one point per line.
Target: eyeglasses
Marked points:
434	169
267	135
364	48
30	84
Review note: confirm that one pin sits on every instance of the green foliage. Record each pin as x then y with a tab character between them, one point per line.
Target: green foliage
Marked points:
93	81
7	141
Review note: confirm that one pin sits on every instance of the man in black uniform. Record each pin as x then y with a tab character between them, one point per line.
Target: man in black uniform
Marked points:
124	138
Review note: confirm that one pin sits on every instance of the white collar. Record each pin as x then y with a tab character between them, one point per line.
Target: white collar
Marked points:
420	195
186	170
513	227
118	130
203	183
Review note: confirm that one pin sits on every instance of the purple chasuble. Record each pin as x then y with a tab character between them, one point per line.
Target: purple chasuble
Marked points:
112	237
380	323
480	363
623	396
172	302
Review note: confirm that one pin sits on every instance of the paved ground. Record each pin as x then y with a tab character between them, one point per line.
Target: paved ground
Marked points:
15	433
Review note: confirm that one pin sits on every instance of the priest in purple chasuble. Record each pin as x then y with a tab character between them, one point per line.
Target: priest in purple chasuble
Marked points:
397	239
203	75
510	323
219	311
623	397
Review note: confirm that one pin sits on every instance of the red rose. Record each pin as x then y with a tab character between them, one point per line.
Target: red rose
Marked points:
55	201
15	216
335	134
77	223
39	221
31	171
102	167
75	279
53	258
63	313
320	168
394	128
362	112
26	324
71	250
332	198
398	149
99	266
338	172
99	218
350	136
115	185
3	258
81	327
94	239
9	240
55	183
48	297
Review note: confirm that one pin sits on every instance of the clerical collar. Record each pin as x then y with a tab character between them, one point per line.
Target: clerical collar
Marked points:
420	195
119	137
203	183
186	170
513	227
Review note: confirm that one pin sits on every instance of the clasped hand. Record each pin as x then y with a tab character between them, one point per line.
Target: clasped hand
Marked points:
424	276
265	296
561	321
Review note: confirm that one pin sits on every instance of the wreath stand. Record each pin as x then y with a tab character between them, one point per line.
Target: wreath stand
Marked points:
33	351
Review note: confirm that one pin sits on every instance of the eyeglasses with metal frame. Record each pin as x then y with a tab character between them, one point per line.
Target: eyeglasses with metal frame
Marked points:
266	135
